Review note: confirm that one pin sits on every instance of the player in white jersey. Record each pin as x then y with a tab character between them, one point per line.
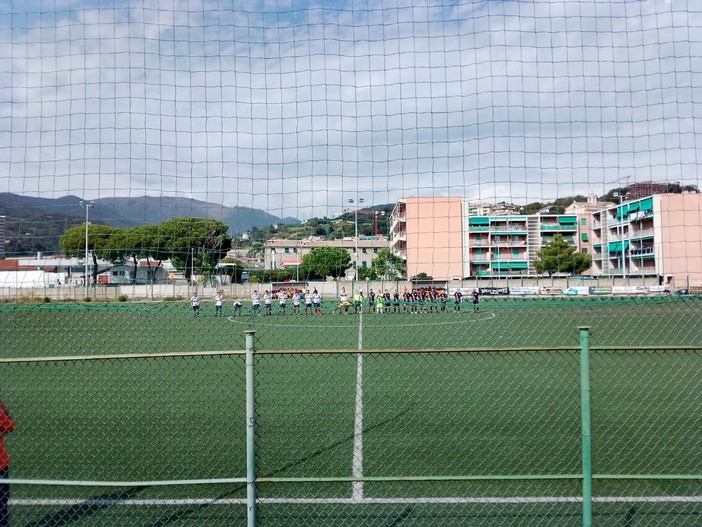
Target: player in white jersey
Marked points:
255	302
283	299
308	301
268	302
317	302
296	299
195	302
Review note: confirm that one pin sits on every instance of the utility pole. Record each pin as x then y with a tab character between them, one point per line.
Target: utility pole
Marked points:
87	205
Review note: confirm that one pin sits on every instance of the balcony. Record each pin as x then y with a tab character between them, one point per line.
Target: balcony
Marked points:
510	243
400	253
641	233
568	239
569	228
643	252
510	258
521	229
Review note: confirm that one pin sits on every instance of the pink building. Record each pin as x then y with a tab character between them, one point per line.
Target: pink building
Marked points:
427	233
659	236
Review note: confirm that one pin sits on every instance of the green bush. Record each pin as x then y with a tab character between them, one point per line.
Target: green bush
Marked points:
122	298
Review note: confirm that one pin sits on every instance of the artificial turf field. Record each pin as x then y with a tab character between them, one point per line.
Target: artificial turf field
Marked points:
441	414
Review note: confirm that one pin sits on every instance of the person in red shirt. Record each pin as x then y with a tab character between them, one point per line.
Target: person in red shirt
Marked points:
7	425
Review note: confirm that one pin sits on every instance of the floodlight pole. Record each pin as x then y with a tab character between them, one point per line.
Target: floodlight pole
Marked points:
87	205
358	201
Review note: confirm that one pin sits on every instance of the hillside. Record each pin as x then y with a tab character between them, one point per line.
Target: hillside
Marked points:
35	224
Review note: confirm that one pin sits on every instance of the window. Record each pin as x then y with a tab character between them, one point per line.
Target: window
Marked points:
295	250
364	264
364	250
583	222
584	251
287	249
515	253
375	251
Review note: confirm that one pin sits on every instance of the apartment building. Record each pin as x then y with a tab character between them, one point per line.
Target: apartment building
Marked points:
659	235
428	234
584	211
288	254
444	238
508	245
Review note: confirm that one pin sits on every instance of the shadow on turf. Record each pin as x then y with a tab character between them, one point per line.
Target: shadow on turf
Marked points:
177	516
81	511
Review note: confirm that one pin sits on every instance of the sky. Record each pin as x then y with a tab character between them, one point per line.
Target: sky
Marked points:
295	107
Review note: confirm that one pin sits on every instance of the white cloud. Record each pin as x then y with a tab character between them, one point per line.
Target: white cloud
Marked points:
292	108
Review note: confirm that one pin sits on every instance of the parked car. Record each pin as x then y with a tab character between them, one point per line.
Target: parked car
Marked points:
681	292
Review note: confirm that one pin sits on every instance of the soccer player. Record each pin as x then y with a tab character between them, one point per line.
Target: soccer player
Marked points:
283	299
371	301
379	304
434	300
296	298
387	300
343	301
395	302
357	301
457	301
218	304
195	302
256	303
317	302
308	301
238	305
475	298
268	303
443	298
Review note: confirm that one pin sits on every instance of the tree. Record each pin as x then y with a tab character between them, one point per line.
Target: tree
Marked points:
558	256
421	276
387	266
72	243
186	241
193	241
325	261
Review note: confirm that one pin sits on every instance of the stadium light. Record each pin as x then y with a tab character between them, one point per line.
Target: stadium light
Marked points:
87	205
358	201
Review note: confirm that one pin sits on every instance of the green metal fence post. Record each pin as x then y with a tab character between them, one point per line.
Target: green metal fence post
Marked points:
250	430
585	424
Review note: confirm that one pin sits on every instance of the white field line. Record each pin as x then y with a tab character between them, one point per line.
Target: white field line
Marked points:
357	461
29	502
452	322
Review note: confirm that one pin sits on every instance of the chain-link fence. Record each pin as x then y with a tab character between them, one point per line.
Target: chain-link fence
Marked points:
147	415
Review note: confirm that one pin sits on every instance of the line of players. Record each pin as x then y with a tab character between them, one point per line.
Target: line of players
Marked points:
411	301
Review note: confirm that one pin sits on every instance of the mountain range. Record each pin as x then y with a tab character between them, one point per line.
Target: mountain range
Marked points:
35	224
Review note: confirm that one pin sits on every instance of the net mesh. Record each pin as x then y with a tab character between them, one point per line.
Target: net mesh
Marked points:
170	172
